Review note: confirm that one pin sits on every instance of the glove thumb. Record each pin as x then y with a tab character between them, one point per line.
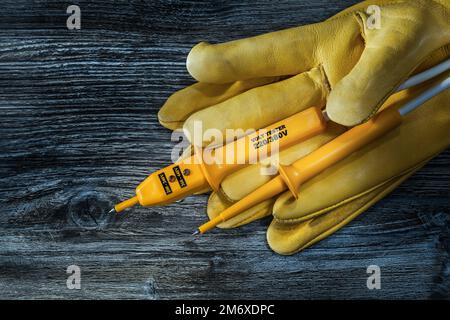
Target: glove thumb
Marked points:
394	49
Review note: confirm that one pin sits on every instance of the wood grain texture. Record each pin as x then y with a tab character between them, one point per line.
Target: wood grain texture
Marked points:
79	130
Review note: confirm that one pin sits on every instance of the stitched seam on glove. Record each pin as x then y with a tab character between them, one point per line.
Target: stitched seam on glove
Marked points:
325	82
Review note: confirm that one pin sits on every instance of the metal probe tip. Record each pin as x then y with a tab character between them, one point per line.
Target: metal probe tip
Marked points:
196	233
112	211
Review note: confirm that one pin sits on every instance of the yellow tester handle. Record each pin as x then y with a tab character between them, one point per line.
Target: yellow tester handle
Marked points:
309	166
197	173
262	144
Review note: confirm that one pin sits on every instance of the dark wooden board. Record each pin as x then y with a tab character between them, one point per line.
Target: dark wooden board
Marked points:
79	129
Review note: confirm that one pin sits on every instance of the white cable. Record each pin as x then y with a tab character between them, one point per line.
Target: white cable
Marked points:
424	97
425	76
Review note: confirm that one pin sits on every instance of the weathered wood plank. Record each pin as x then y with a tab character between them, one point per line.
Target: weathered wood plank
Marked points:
79	130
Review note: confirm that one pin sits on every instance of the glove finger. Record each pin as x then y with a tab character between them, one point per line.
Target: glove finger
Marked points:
259	107
289	238
180	105
361	93
286	52
217	204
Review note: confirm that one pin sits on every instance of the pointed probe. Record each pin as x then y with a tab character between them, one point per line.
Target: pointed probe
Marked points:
124	205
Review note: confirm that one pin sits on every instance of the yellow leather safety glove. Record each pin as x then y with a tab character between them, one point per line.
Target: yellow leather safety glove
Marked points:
339	194
342	63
